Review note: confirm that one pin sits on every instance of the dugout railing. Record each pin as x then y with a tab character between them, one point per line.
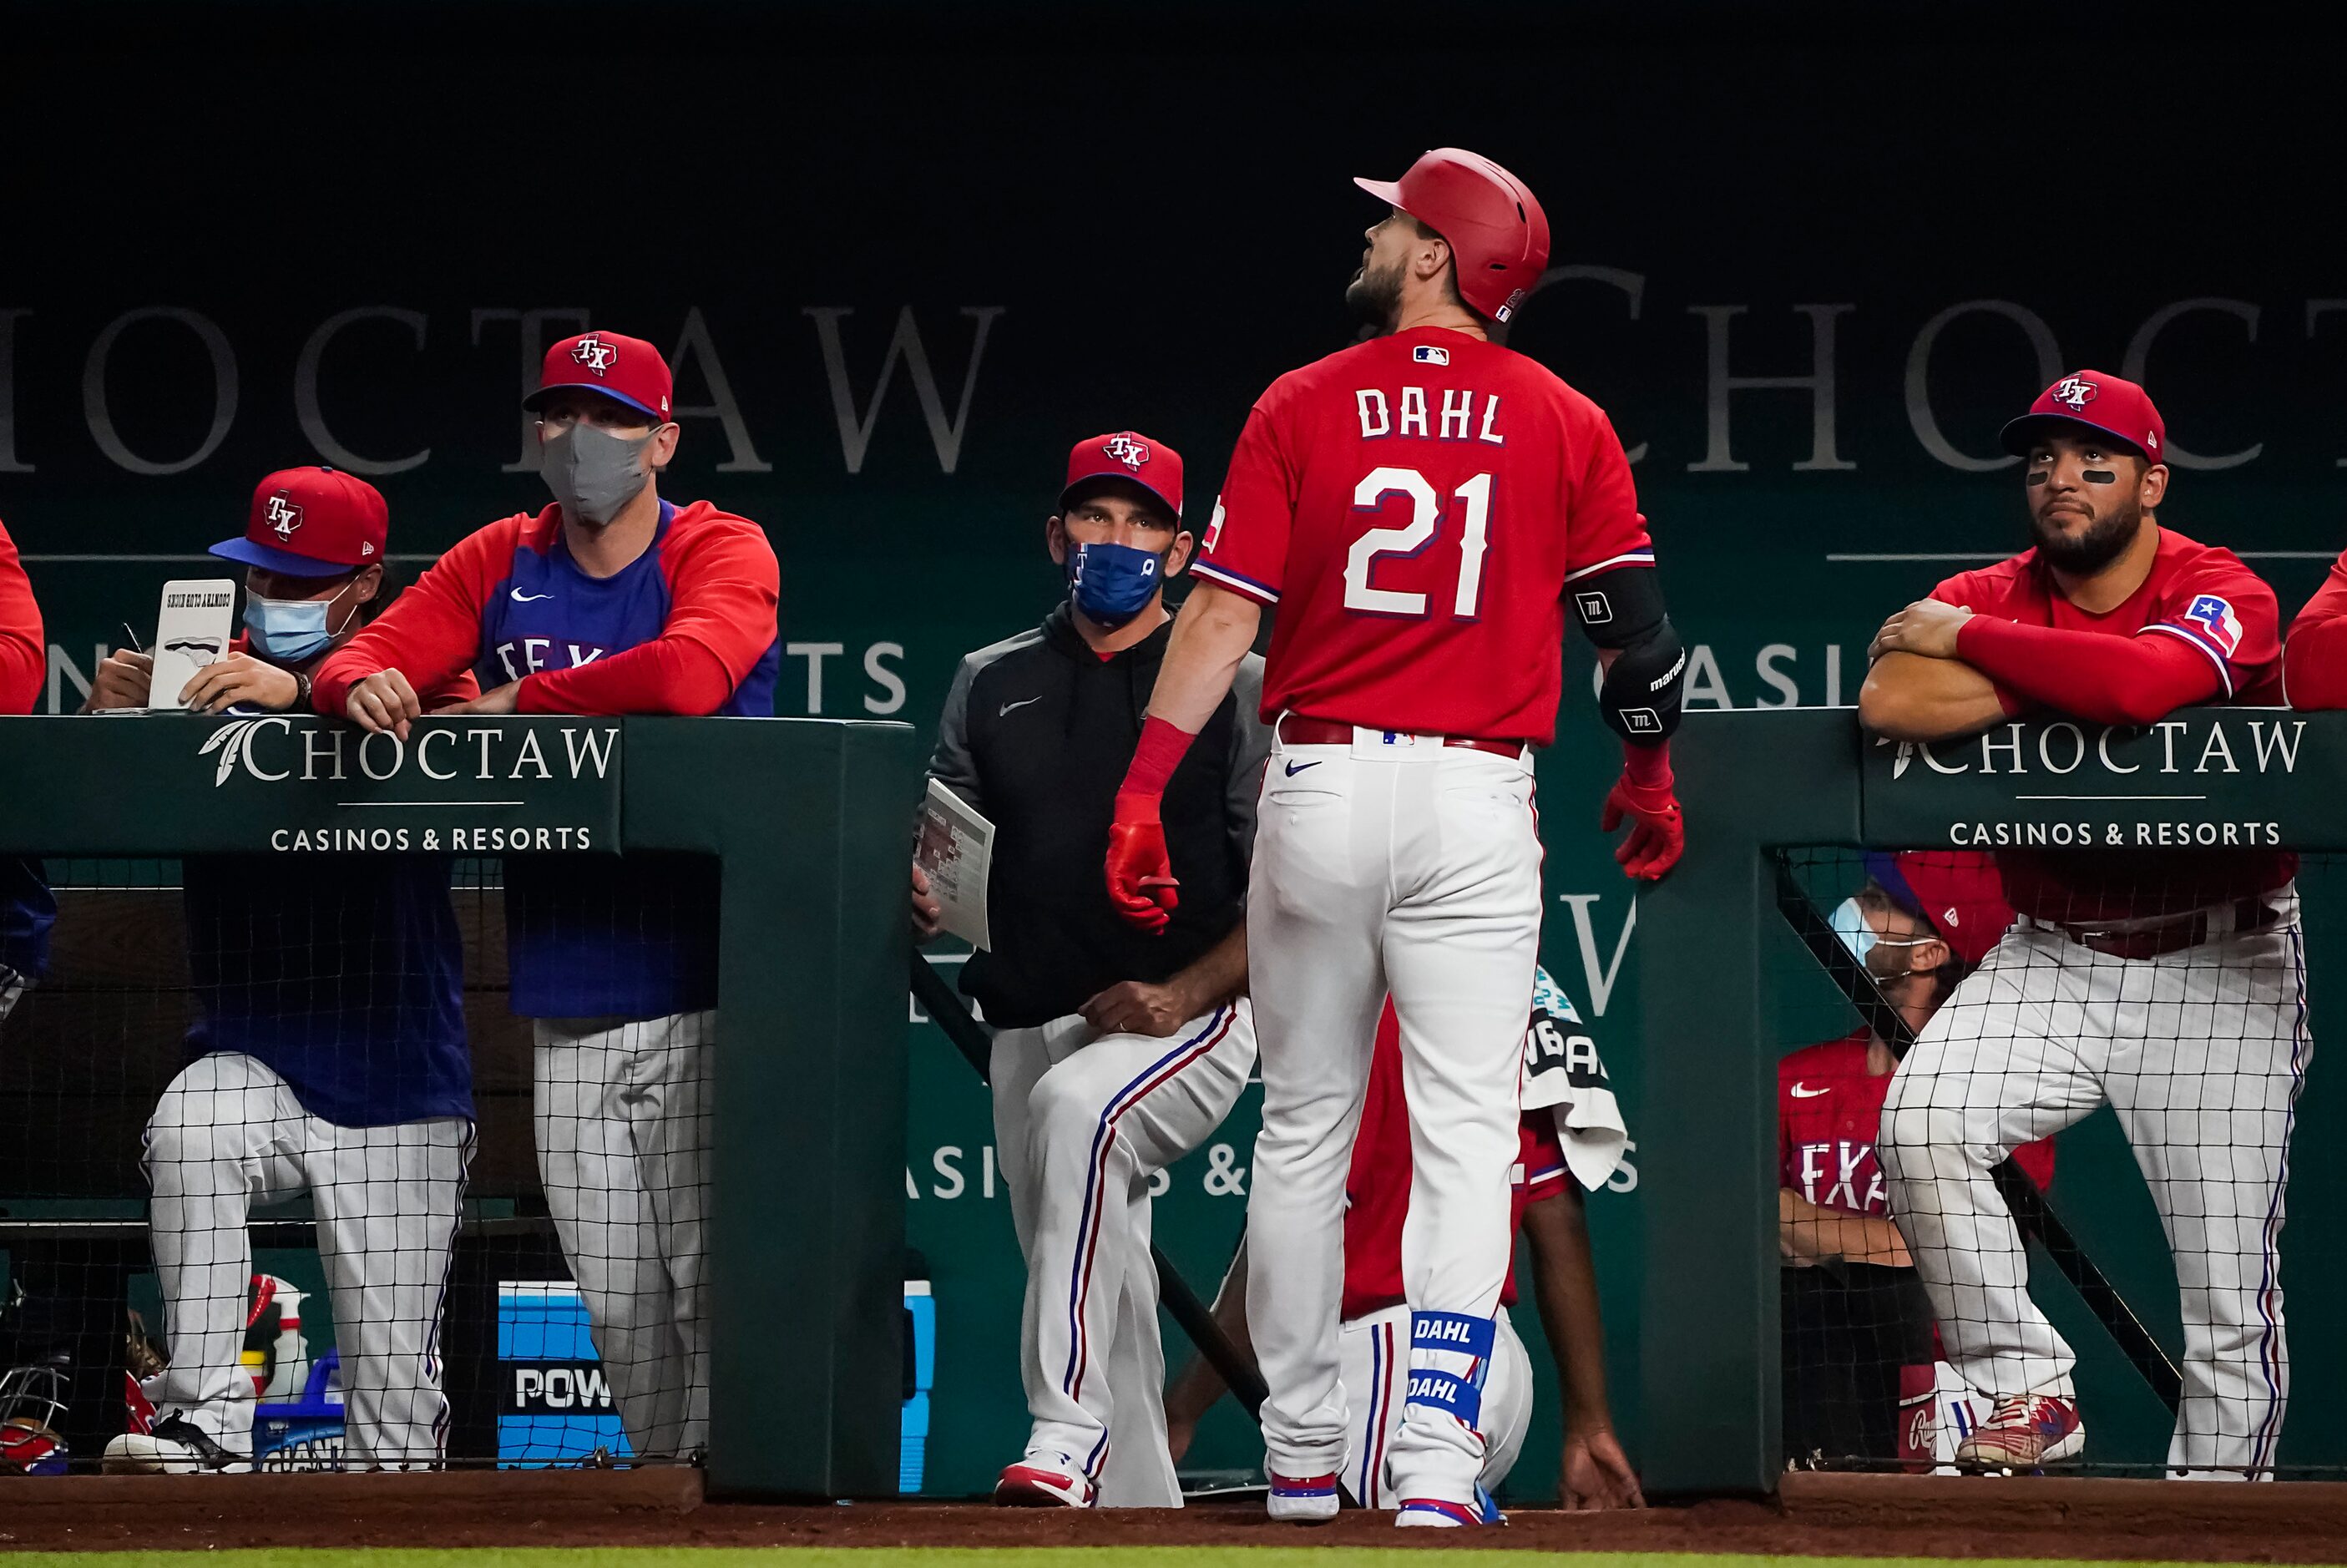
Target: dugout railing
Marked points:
1738	965
807	820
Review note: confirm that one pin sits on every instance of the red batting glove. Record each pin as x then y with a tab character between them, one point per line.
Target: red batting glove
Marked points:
1657	829
1141	882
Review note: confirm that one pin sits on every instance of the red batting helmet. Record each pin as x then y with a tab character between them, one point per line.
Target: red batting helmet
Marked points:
1497	232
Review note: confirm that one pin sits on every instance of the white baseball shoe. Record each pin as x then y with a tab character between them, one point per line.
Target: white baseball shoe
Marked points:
1045	1481
2024	1432
1436	1513
1302	1500
176	1447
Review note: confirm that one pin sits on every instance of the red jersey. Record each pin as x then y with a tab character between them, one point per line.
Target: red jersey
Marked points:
1828	1108
2205	598
23	650
1415	505
2314	659
1377	1189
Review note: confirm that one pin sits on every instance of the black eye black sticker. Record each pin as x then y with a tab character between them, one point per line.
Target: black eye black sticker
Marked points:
2101	477
2037	476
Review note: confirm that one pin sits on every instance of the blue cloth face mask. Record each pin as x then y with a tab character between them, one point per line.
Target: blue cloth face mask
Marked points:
1113	583
290	630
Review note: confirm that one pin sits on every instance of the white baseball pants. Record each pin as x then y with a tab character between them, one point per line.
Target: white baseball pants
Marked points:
228	1134
623	1116
1081	1124
1395	864
1375	1359
2202	1054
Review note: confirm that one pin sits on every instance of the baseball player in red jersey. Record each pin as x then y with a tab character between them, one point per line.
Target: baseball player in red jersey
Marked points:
1857	1365
1571	1138
1420	506
612	600
2168	985
2314	655
26	909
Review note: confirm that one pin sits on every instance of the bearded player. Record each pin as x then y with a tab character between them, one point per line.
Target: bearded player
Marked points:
612	600
1420	506
2170	986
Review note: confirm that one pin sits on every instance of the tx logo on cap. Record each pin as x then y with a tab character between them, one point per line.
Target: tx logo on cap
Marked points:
2075	390
283	516
1126	450
595	353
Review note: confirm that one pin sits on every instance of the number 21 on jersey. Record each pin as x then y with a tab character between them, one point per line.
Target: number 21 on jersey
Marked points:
1472	508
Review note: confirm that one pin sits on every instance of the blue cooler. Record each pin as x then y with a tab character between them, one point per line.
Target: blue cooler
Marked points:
921	1377
556	1408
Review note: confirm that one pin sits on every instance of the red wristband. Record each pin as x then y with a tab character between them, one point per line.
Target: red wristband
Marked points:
1159	752
1648	767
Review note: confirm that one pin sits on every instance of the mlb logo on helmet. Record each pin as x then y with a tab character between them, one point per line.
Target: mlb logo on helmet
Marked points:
310	522
625	369
2214	616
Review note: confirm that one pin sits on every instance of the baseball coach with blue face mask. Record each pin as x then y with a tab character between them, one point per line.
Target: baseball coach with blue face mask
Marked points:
1116	1051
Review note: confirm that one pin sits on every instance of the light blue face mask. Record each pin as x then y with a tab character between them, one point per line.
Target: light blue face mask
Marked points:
1858	935
290	630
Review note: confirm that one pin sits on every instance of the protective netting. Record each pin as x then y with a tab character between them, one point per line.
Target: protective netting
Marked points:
2034	1166
359	1161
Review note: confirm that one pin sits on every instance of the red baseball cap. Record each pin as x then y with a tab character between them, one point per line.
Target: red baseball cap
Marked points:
2112	404
1128	455
310	522
1958	892
625	369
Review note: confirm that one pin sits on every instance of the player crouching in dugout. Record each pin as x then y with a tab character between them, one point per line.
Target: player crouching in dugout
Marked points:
2168	985
330	1055
1116	1051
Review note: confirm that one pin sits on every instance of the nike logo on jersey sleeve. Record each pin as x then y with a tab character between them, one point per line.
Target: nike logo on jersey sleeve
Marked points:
521	597
1021	703
1803	1091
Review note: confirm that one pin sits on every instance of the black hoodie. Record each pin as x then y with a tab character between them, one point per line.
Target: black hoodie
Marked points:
1036	736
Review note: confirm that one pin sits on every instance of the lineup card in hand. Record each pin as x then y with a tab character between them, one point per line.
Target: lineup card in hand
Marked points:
956	851
192	630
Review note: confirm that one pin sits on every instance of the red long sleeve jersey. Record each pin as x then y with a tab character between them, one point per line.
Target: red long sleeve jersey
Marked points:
2198	596
24	650
1415	505
688	627
1377	1187
2314	659
1829	1110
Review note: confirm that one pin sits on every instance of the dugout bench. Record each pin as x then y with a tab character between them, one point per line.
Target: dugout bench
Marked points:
807	818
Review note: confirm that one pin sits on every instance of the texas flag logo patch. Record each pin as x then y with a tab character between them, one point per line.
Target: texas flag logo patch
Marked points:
1430	353
2215	617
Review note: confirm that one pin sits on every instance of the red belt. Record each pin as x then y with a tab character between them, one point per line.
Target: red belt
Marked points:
1302	732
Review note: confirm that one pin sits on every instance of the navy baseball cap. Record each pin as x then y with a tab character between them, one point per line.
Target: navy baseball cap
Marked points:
310	522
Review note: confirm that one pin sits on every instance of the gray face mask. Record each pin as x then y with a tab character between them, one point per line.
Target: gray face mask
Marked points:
592	472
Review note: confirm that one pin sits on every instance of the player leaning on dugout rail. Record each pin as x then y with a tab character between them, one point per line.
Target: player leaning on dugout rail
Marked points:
1116	1052
330	1056
1420	508
610	601
2314	656
2170	987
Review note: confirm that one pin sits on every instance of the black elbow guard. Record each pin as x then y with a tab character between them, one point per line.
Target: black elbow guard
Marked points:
1640	697
1623	611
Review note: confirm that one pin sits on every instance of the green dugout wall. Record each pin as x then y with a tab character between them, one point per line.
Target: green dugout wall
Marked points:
1756	783
808	820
